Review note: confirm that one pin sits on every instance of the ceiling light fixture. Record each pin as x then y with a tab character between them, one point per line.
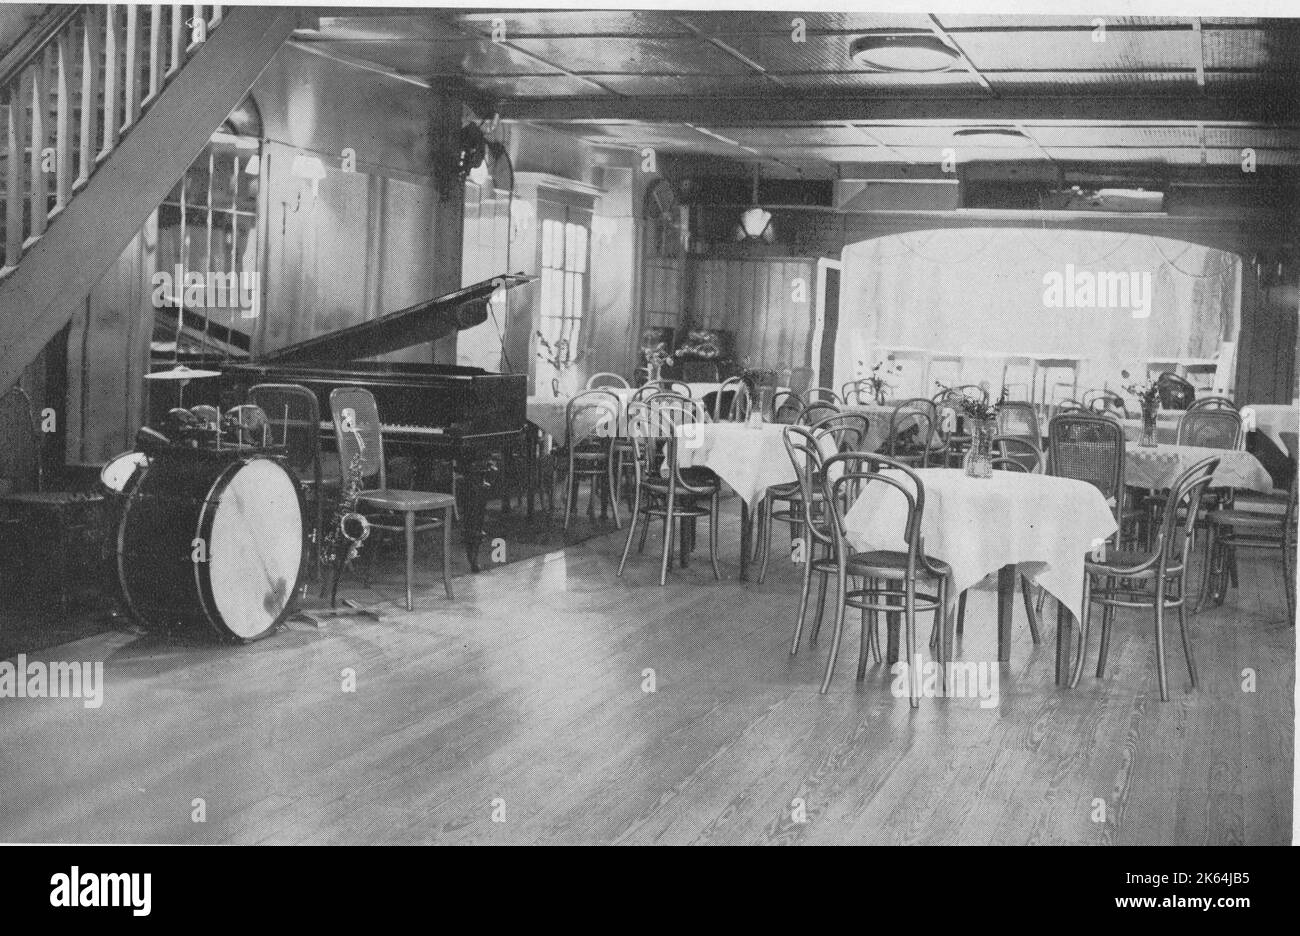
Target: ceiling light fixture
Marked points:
755	223
992	137
903	52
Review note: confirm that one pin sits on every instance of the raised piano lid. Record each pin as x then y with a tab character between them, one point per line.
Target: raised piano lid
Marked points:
425	321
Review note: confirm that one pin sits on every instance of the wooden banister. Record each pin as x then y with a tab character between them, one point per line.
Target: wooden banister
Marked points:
107	63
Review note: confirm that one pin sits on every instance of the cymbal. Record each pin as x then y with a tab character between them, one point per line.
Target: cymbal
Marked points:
181	372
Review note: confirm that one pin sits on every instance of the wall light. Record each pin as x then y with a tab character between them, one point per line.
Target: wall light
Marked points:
309	168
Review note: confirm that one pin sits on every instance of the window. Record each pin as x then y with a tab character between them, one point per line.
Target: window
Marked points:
206	289
563	291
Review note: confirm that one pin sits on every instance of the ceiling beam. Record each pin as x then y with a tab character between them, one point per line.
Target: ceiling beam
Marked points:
945	38
739	110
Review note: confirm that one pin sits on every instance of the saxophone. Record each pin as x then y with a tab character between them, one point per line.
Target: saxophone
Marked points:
350	528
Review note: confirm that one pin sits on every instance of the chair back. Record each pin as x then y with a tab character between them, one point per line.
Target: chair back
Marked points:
848	430
786	407
816	411
858	392
1016	453
822	395
849	475
912	427
1018	418
653	428
1089	448
806	456
1103	402
20	443
294	415
591	420
1174	538
1211	428
606	379
651	387
953	396
356	424
1175	393
1213	402
732	401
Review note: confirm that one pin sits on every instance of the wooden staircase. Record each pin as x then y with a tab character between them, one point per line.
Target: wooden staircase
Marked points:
104	108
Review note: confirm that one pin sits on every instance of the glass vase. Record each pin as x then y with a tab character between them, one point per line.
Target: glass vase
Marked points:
1148	439
979	459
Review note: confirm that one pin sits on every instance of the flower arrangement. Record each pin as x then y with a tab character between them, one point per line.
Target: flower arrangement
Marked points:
657	358
557	354
973	407
878	378
1148	393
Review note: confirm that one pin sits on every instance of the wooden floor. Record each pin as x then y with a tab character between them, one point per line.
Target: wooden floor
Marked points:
523	701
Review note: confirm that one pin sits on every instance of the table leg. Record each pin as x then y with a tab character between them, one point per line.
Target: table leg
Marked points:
1006	601
746	533
1064	622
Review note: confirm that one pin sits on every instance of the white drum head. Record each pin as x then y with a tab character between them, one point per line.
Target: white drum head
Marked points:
117	473
255	548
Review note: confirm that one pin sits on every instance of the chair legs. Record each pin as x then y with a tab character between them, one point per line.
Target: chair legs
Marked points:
642	516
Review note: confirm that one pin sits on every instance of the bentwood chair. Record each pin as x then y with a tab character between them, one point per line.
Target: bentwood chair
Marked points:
822	395
1211	428
607	379
858	392
731	401
591	421
1090	448
1154	578
1175	392
1104	402
294	414
786	407
912	430
1231	529
837	432
663	488
651	387
904	580
1018	418
815	412
357	433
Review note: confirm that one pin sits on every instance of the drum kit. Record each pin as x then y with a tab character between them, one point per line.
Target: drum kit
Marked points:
208	523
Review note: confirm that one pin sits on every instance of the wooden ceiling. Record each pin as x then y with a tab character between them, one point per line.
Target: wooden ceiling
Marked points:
780	89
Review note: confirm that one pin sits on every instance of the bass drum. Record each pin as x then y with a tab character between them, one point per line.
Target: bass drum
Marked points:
212	542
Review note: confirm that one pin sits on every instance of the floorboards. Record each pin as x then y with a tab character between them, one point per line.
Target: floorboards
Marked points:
525	698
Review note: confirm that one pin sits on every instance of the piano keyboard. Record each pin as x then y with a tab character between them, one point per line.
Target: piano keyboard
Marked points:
387	429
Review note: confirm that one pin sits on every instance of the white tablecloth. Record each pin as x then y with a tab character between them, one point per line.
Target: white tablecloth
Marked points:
1043	524
548	412
1272	419
1158	468
748	458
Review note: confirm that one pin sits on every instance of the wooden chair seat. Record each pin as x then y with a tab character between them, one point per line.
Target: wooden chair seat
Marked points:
406	501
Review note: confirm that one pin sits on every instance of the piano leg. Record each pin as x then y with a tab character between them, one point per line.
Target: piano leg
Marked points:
479	472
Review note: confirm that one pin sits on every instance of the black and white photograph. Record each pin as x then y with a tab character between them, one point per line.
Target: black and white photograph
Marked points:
873	423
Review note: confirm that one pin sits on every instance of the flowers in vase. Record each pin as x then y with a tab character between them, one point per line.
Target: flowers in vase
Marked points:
1148	393
878	378
656	359
972	407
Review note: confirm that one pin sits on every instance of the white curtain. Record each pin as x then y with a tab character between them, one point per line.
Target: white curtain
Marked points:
972	298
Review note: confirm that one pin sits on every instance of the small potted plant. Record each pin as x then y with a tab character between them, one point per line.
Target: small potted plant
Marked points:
1148	396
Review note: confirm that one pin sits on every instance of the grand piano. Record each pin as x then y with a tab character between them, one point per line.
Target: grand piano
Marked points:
463	415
